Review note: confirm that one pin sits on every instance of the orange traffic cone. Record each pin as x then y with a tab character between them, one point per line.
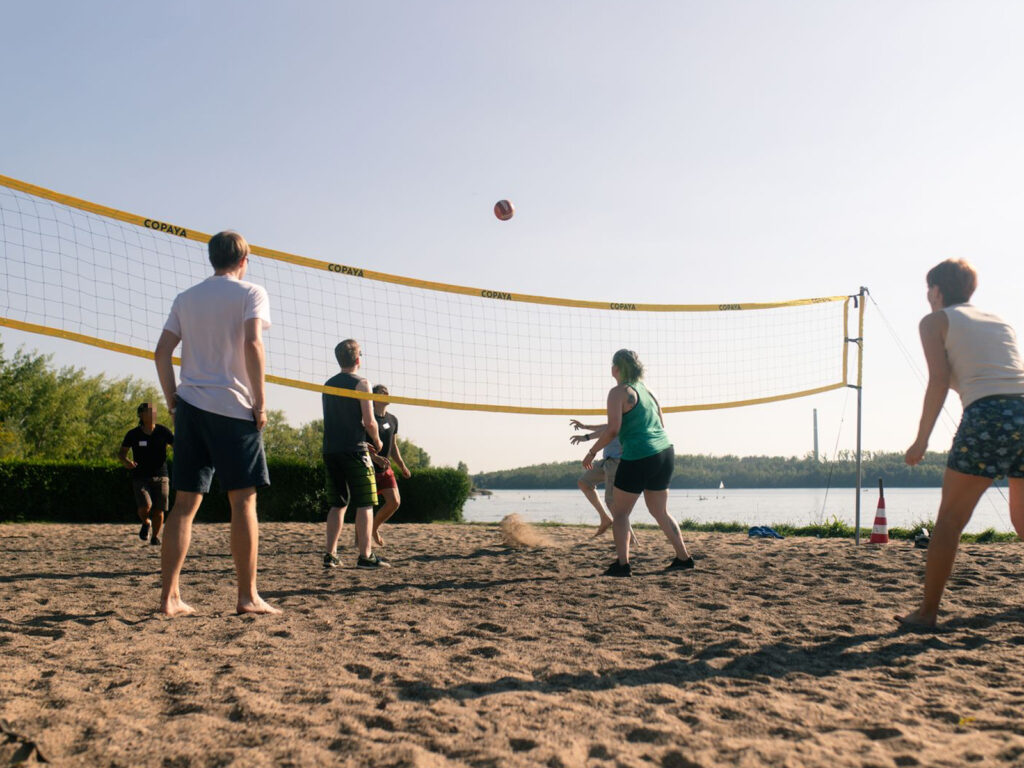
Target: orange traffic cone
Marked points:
880	531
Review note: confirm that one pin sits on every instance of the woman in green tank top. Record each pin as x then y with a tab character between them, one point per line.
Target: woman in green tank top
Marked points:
647	461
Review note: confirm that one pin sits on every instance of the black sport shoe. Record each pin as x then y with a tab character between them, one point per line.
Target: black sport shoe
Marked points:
155	541
680	565
331	561
144	531
373	561
618	569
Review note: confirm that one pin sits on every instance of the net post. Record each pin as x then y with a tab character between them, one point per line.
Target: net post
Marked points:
860	391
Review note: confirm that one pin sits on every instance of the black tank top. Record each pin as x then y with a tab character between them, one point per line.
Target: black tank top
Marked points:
343	418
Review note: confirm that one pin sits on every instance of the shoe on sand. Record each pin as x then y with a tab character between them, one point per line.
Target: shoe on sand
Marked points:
618	569
680	565
155	541
373	561
331	561
144	531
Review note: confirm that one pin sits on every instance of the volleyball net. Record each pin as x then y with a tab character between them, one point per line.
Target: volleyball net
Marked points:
82	271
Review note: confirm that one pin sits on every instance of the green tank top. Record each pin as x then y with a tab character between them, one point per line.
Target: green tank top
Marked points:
641	433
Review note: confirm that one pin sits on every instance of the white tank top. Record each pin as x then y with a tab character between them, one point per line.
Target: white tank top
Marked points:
983	355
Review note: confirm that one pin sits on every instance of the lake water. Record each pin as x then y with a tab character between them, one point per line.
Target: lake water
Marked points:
904	507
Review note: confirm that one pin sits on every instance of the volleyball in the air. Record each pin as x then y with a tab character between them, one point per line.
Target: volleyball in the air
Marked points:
504	209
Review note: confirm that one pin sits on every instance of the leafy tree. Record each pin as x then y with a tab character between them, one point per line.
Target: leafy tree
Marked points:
65	414
48	413
415	457
283	441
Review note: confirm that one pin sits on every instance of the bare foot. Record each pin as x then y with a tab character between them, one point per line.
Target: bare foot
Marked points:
377	539
604	526
257	606
175	606
916	620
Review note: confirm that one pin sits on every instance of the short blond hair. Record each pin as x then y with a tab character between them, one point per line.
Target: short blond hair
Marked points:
347	353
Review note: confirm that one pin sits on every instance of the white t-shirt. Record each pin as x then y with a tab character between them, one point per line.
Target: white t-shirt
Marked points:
983	355
209	318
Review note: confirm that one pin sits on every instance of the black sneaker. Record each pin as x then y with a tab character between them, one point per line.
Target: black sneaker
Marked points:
680	565
331	561
144	531
155	541
373	561
618	569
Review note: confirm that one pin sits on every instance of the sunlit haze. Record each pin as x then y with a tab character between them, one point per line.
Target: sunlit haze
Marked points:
674	152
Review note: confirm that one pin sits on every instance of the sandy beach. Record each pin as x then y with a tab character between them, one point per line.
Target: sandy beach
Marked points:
468	653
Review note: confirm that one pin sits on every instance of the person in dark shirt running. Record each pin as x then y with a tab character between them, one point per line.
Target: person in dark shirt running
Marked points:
350	433
148	466
387	484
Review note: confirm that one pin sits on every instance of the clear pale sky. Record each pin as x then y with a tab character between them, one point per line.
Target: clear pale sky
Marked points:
677	152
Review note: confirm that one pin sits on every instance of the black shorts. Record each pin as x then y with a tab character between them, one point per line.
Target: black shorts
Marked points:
350	478
651	473
206	442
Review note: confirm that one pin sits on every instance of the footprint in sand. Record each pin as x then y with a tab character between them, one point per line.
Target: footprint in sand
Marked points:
360	671
881	734
648	736
488	627
486	652
381	722
522	745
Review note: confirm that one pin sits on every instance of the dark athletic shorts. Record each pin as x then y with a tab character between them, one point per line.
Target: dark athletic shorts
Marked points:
206	442
151	492
350	480
651	473
990	439
386	479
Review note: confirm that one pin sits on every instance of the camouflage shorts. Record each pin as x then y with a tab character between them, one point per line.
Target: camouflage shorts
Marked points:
990	439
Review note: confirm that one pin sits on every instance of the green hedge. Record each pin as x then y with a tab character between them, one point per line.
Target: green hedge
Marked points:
74	492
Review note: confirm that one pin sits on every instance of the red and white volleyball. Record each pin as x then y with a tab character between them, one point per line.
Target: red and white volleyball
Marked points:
504	210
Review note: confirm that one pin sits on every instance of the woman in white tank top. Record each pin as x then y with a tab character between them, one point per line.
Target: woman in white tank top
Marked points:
975	354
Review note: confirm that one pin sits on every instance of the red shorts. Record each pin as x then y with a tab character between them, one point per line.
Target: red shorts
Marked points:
386	479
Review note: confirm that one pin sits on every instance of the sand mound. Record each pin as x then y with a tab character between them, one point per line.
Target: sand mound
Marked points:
516	532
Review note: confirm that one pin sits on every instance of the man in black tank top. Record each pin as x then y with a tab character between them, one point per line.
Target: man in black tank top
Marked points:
350	433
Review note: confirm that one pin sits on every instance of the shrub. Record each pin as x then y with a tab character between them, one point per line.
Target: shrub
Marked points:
77	492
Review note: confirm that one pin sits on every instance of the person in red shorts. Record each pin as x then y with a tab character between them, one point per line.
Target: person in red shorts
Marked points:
387	484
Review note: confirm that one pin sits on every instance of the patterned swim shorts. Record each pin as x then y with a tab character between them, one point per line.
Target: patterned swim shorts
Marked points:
990	439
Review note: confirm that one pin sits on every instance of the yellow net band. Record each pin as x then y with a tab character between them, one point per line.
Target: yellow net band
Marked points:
309	387
368	274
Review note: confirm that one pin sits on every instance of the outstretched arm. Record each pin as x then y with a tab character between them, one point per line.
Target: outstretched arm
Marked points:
577	439
577	425
933	339
616	399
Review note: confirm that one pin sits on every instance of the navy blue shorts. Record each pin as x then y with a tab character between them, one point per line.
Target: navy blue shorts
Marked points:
990	439
651	473
206	442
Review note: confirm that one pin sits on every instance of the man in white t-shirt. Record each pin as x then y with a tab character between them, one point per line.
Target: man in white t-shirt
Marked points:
219	410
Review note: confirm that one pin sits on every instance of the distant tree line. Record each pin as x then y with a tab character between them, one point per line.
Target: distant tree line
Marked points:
692	471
